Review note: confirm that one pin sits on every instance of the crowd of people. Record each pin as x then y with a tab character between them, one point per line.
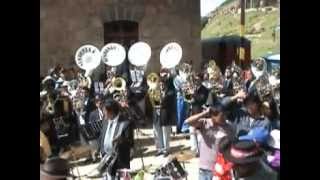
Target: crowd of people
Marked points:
232	118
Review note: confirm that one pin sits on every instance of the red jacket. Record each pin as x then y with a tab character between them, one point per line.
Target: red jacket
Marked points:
222	168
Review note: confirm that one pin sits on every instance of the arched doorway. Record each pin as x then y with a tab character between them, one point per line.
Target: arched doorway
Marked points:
125	33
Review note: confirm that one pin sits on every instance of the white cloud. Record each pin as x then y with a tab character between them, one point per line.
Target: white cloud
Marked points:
209	5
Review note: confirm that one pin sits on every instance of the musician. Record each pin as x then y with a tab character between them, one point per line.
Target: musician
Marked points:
227	83
48	95
116	137
83	113
89	104
96	116
137	91
179	81
162	114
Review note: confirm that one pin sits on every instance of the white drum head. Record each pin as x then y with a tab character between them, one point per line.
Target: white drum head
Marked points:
88	57
139	54
113	54
170	55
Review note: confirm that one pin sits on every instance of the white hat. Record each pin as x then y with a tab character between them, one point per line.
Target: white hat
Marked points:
274	140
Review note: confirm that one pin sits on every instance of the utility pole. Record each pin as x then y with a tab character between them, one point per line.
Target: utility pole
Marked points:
242	31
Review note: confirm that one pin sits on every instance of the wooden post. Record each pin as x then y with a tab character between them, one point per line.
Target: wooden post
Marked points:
242	31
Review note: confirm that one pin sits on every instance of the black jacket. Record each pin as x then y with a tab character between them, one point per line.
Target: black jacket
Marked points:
125	142
168	107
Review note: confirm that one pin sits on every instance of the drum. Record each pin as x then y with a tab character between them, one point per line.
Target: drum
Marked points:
171	169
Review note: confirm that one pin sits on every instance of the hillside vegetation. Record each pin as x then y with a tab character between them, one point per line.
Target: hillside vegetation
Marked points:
259	29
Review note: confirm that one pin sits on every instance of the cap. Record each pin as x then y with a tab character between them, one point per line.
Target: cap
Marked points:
258	134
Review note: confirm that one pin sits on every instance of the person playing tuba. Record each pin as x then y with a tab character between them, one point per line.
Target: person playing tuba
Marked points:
160	93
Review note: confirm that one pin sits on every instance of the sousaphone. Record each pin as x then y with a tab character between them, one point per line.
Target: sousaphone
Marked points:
139	54
113	54
170	55
88	58
259	67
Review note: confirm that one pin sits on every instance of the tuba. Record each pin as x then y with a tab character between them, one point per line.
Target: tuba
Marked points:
88	58
153	81
214	81
236	78
170	55
188	87
261	83
112	55
139	55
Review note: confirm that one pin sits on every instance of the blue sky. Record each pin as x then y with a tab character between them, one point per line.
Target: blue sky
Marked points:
209	5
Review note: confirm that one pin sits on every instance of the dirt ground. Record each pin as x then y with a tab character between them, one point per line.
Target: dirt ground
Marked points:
179	147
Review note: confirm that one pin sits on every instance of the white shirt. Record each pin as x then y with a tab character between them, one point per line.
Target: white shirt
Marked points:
110	131
100	114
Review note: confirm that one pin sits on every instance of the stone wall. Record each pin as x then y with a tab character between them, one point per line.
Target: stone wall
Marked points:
65	25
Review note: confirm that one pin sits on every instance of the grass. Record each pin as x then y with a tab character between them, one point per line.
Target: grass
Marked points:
229	25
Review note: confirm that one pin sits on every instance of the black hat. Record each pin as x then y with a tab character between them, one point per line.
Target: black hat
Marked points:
55	168
99	97
252	98
242	152
217	106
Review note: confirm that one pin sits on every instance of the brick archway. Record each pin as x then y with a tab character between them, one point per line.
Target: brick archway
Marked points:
130	10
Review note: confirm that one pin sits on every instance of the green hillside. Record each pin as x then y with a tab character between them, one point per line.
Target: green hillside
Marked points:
259	29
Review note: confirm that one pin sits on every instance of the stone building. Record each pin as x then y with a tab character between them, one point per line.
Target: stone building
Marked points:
65	25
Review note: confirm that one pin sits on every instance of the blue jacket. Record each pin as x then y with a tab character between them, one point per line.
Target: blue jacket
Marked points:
240	119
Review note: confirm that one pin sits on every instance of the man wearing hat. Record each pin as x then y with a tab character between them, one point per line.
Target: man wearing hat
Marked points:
55	169
246	157
259	135
116	137
212	126
246	117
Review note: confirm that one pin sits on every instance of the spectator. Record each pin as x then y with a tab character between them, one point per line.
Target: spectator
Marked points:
273	153
212	129
248	117
222	169
55	169
247	159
